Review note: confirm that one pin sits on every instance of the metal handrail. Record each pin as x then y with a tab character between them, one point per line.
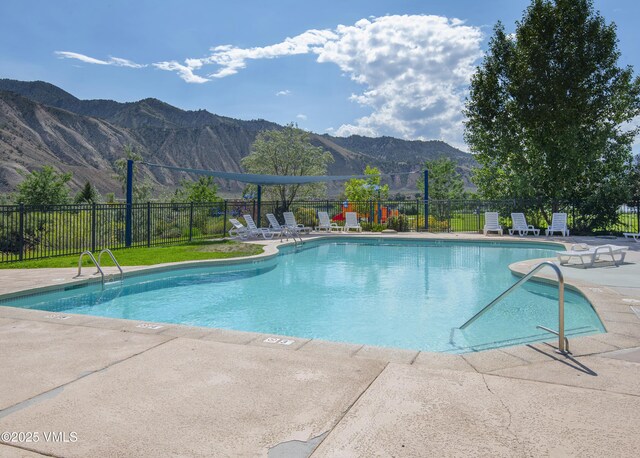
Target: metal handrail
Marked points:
287	231
563	342
113	258
97	264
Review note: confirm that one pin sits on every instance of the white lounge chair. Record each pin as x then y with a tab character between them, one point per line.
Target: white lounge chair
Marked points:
290	222
491	223
588	255
351	222
520	225
632	235
255	230
558	224
238	230
325	224
274	225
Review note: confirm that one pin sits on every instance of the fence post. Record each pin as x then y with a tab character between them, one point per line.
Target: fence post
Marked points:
191	221
93	226
21	234
128	216
371	220
224	222
148	224
478	217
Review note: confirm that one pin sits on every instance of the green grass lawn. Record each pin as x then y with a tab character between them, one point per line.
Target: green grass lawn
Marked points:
193	251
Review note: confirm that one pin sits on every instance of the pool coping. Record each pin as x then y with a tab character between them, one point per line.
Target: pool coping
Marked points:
622	325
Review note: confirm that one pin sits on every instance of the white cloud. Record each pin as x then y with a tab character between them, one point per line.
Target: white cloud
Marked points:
285	92
231	59
184	71
116	61
301	116
414	70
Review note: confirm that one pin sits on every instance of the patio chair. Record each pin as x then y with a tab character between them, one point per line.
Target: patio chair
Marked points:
290	222
491	223
238	230
274	225
632	235
255	230
325	223
351	222
520	225
588	255
558	224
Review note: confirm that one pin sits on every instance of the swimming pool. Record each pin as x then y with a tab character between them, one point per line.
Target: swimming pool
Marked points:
393	293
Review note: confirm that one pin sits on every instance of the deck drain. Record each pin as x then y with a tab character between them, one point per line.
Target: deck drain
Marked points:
149	326
632	301
275	340
57	316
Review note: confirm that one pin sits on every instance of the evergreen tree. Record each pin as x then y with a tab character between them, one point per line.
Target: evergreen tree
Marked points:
87	195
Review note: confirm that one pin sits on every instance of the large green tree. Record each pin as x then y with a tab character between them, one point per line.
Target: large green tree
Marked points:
547	110
288	152
204	190
365	189
44	187
444	180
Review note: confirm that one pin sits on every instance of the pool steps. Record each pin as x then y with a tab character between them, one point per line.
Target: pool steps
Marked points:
98	263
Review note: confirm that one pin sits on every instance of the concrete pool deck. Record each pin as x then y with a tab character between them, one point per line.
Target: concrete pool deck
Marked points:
109	387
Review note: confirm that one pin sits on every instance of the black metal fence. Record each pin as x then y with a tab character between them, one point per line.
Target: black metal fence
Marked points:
33	232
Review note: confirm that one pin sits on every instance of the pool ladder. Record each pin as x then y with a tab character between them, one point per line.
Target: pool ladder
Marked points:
97	263
563	342
287	231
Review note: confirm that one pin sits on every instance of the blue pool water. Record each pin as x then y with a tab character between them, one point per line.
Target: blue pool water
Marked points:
405	294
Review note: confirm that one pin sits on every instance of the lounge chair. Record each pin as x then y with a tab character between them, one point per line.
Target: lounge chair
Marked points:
520	225
491	223
238	230
588	255
274	225
351	222
254	230
325	223
558	224
632	235
290	222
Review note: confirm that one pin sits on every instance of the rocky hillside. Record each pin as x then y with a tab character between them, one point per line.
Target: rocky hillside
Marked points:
42	124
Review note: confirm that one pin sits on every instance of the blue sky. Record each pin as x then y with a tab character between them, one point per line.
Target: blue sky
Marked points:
374	67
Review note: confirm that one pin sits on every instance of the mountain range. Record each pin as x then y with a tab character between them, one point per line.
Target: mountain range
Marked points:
41	124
